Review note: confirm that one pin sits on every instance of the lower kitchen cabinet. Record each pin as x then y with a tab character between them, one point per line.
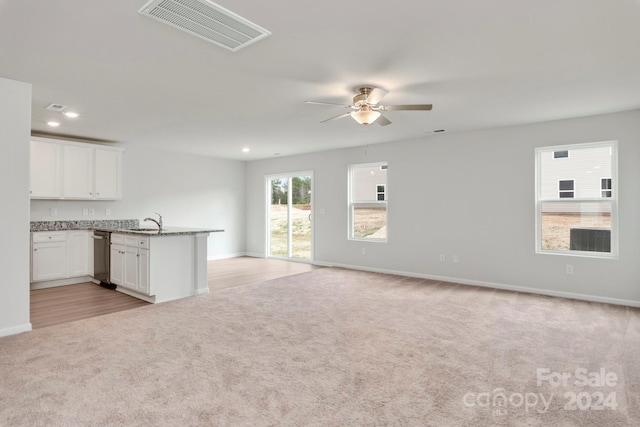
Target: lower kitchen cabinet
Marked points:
48	256
78	250
59	254
130	262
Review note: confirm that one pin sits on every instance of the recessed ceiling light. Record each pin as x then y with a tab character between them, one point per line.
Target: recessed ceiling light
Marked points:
70	114
53	124
246	149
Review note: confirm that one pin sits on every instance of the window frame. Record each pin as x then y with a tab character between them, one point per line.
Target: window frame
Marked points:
572	191
604	189
352	204
539	200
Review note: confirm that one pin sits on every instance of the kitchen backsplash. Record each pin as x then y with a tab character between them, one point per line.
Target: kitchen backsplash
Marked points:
84	224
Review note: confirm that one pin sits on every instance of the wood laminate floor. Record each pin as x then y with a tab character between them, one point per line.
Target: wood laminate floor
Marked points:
238	271
62	304
52	306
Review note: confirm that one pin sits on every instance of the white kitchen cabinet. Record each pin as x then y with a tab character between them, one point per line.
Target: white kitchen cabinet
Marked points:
45	170
75	170
108	173
143	272
77	176
130	262
78	250
48	256
116	269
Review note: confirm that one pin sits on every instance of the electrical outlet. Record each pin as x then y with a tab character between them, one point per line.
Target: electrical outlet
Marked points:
364	251
569	269
92	211
456	259
107	211
53	211
85	211
443	258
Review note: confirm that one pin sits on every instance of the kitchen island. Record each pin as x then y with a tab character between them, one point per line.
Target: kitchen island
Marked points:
160	265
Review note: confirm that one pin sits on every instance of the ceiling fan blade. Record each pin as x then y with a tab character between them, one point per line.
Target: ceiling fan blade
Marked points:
383	121
336	117
414	107
328	103
376	96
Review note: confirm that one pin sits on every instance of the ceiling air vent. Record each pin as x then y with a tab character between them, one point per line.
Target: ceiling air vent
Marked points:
207	20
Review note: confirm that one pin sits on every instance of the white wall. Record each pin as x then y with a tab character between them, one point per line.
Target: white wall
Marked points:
188	190
472	195
15	124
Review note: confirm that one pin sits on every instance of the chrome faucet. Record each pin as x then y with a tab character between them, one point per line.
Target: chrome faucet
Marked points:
157	222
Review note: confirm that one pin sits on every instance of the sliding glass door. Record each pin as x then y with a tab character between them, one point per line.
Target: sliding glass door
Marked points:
289	220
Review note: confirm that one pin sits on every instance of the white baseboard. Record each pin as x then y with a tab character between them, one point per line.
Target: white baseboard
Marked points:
548	292
135	294
61	282
226	256
15	330
254	255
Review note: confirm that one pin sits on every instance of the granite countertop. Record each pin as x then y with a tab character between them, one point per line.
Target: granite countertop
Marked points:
126	226
166	231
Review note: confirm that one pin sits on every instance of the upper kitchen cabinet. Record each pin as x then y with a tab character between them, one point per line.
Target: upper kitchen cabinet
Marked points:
77	172
108	173
46	170
74	170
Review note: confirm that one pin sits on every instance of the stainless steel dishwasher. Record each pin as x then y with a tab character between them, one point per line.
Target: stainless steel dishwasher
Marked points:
101	257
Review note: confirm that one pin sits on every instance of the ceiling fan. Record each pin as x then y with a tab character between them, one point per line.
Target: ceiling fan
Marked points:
367	108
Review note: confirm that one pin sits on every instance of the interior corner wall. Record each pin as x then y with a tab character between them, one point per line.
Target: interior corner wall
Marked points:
15	125
472	195
188	190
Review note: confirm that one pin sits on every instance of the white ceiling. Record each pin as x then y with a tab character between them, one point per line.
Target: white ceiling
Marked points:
480	63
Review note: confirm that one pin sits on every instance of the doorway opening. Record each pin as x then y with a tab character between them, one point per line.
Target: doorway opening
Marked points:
289	216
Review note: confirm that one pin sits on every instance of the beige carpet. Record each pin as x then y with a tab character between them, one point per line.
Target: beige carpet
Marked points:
331	347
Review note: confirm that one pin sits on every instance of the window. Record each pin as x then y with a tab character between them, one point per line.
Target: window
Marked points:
368	197
577	216
561	154
605	186
565	189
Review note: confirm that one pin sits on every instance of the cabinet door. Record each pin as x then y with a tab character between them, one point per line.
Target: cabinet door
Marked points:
77	172
48	261
143	272
78	253
130	279
117	264
107	174
45	170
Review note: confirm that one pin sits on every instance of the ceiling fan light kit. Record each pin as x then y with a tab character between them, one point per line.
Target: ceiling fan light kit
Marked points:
367	107
365	116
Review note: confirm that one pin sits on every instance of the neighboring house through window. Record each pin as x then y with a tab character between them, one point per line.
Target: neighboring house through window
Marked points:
576	201
368	198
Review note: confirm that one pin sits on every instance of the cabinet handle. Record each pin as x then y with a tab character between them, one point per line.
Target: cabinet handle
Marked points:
35	249
49	237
